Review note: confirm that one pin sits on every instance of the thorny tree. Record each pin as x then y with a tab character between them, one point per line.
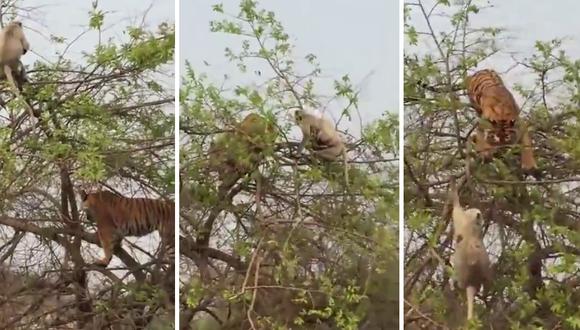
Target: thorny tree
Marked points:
531	226
104	121
287	246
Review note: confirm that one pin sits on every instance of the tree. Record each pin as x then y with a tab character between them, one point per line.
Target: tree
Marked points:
104	121
284	244
531	229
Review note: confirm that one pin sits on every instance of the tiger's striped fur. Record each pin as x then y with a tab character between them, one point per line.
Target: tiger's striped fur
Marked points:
495	103
117	216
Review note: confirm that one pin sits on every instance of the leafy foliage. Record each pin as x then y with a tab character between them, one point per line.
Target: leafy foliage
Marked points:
532	228
105	121
286	246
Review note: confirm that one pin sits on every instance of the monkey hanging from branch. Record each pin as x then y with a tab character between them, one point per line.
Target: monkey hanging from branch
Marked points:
320	136
470	259
496	104
13	45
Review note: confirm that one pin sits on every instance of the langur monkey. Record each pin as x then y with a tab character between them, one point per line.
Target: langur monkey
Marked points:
470	259
322	138
13	45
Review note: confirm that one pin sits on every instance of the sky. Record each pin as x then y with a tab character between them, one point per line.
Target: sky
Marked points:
359	38
544	20
69	19
524	25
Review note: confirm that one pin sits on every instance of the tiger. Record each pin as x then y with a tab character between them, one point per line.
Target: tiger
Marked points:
237	153
118	216
495	103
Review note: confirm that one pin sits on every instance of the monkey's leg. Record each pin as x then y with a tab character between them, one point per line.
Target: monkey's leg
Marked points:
528	161
301	146
470	292
10	77
330	153
107	243
22	77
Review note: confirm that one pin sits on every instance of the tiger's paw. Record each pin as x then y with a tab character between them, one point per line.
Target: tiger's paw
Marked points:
530	167
534	171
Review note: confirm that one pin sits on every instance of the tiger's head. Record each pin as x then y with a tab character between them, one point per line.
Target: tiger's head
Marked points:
90	200
84	199
501	135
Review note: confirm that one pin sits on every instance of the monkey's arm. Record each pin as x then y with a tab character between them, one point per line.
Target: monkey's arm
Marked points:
305	128
25	45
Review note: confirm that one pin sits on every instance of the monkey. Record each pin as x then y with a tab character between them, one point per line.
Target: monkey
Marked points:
13	44
239	152
470	259
321	137
495	103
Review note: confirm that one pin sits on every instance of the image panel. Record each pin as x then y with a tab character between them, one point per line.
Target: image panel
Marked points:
491	165
87	165
289	165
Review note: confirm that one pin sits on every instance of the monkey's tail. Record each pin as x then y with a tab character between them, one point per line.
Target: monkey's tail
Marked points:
470	293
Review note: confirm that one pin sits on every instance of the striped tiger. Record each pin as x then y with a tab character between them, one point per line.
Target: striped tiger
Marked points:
117	216
239	152
496	104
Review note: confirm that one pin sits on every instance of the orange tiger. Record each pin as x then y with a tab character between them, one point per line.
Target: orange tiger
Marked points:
495	103
117	216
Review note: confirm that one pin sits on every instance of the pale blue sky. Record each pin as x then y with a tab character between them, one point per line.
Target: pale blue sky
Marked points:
359	38
525	23
69	18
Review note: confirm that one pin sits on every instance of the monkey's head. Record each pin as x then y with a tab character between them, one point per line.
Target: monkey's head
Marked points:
474	216
298	115
14	28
